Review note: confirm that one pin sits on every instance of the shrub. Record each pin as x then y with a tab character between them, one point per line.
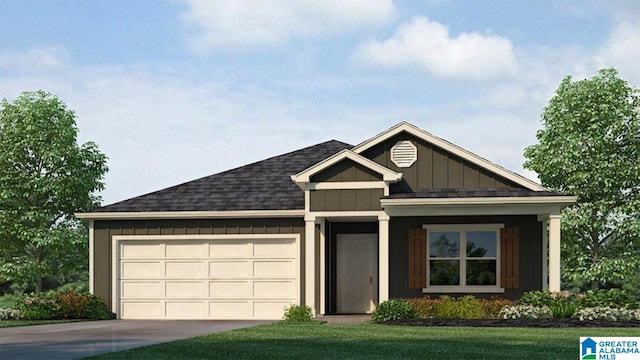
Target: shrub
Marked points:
493	306
393	310
66	305
614	298
525	312
297	313
563	309
9	314
424	307
606	313
466	307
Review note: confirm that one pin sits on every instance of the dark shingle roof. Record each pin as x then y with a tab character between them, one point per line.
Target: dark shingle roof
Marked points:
468	193
264	185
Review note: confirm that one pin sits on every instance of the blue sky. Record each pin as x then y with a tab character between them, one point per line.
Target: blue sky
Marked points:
174	90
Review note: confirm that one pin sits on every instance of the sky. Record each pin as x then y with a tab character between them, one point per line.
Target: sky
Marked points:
173	90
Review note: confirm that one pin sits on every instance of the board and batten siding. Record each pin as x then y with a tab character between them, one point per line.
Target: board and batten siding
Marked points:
530	251
346	200
346	170
104	230
434	168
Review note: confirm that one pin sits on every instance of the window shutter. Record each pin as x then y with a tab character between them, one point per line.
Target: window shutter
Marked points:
510	258
417	258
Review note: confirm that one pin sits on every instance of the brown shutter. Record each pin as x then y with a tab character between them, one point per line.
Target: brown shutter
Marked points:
417	258
510	258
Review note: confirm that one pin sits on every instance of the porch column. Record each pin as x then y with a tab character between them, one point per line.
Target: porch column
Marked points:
310	264
554	252
383	258
545	252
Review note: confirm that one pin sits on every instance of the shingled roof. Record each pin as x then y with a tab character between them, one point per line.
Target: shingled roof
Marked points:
264	185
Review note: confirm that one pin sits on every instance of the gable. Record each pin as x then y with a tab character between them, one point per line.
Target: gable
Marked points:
346	170
435	168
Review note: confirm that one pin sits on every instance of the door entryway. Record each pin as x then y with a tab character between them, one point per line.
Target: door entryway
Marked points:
356	273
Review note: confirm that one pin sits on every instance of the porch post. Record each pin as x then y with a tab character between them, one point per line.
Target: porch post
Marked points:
545	252
310	264
383	258
554	252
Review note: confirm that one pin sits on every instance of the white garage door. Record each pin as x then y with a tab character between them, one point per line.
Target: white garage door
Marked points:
224	277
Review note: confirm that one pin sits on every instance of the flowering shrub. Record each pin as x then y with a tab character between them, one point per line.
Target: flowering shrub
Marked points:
493	306
9	314
606	313
424	307
525	312
393	310
65	305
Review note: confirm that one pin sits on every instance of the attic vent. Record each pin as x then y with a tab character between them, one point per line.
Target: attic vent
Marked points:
404	154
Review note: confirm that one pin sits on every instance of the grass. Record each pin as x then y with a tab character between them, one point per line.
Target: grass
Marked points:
14	323
370	341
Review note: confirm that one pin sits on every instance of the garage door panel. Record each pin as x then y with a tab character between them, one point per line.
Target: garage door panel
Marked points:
142	270
142	310
269	309
224	249
230	310
142	290
186	269
273	268
185	290
229	289
186	310
274	290
187	250
273	248
142	250
240	278
230	269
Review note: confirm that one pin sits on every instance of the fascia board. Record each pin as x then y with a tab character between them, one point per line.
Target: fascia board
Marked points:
388	175
560	200
449	147
153	215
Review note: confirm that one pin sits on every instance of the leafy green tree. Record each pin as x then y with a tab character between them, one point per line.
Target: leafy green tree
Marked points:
45	176
590	147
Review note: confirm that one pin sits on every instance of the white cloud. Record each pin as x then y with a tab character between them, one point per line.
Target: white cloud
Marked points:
622	51
35	59
427	44
249	23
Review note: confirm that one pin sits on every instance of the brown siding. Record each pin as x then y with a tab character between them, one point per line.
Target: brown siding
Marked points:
345	200
530	251
347	170
435	168
105	230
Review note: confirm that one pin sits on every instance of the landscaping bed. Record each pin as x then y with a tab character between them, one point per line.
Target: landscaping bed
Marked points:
535	323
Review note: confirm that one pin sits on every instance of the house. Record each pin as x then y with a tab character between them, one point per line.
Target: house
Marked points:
334	226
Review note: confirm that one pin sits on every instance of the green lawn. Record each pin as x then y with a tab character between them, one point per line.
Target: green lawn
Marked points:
369	341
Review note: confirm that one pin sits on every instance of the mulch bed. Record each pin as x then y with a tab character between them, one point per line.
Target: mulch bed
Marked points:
540	323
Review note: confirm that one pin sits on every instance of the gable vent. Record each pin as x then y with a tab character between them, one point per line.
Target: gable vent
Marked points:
404	154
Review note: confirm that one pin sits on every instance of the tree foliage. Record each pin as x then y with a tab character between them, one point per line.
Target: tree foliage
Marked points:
45	177
590	147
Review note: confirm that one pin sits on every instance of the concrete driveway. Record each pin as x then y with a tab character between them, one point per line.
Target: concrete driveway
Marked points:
81	339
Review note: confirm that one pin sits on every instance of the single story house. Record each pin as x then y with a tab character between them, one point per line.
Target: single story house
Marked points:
338	227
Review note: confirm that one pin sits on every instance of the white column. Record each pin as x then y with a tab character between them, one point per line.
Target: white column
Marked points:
310	264
383	258
545	252
554	252
323	284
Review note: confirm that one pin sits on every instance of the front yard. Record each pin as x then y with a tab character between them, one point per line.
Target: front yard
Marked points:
370	341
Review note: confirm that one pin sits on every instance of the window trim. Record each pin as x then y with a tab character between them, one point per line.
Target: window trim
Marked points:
464	288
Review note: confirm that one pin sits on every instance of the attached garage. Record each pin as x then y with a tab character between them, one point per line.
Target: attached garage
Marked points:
205	276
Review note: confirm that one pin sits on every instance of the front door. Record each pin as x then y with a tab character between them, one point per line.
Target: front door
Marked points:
356	273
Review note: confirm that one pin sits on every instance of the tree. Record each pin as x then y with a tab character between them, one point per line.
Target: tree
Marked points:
590	147
45	177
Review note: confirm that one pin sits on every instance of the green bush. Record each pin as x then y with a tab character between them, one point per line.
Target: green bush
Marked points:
614	298
536	298
563	309
297	313
393	310
65	305
466	307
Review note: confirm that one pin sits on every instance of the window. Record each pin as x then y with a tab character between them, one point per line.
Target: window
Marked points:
463	257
